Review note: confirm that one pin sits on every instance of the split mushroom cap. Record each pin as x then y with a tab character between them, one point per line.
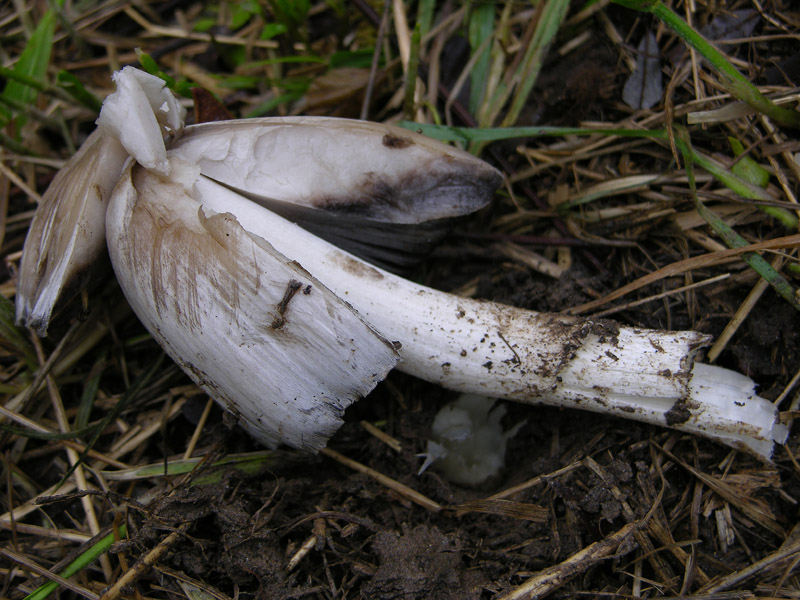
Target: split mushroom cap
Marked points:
65	247
384	193
66	239
252	327
344	166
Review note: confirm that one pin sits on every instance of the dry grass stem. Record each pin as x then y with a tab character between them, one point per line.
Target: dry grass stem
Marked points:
404	491
689	264
143	565
390	441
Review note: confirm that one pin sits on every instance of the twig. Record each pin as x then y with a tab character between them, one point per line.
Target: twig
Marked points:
63	535
141	566
17	180
392	484
759	513
738	576
198	429
659	565
384	437
550	579
307	546
512	491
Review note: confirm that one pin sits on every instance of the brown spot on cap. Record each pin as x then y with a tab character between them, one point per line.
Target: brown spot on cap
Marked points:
394	141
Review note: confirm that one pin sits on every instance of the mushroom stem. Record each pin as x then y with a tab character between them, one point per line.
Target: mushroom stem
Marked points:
496	350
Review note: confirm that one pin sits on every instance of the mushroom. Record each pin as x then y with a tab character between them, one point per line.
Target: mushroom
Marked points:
285	328
65	246
66	239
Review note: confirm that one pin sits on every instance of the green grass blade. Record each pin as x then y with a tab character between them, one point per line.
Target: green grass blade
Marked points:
447	133
80	563
510	94
730	237
360	59
23	80
725	176
271	104
732	80
736	184
742	187
75	88
10	143
15	337
32	64
546	31
182	88
39	85
481	29
246	462
25	109
753	260
746	167
292	14
89	393
613	187
301	58
425	12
